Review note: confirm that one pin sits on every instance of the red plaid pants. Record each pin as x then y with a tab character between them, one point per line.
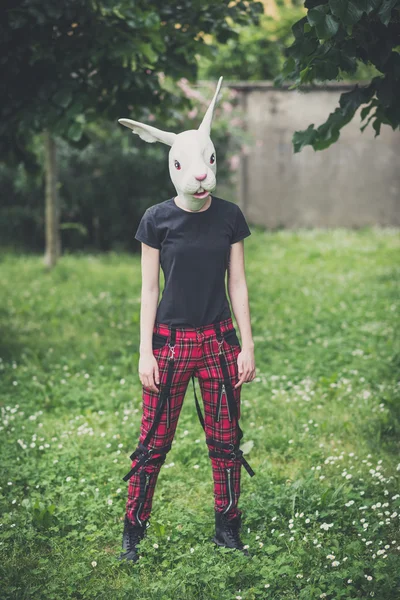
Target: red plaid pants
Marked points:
209	353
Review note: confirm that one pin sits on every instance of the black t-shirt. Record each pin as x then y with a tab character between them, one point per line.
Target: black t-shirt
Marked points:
194	252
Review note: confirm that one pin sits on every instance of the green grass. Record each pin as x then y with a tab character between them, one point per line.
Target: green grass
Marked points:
322	413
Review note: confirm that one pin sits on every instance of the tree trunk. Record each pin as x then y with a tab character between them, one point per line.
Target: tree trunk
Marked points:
52	210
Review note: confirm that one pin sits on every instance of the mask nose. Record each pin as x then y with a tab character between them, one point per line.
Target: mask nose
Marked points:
201	177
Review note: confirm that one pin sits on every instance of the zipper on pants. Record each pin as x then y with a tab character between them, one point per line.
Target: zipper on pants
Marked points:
219	403
229	485
142	495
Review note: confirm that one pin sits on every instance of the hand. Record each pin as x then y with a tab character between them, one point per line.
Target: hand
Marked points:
246	366
148	371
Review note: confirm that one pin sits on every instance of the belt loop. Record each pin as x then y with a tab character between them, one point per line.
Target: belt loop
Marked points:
219	336
217	328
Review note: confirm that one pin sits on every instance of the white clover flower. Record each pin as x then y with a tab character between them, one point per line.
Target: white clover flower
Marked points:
155	545
335	563
267	585
94	563
326	526
330	556
299	576
192	550
68	479
109	501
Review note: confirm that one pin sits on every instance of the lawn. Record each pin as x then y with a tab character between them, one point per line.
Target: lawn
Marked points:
321	426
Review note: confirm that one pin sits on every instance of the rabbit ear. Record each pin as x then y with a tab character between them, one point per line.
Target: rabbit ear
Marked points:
207	119
148	133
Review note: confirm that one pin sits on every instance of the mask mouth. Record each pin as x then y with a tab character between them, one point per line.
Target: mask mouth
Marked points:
201	193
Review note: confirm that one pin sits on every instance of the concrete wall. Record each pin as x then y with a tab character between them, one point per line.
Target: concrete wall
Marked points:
355	182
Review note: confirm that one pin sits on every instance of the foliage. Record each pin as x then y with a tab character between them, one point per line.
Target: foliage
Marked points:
257	53
321	514
334	38
106	186
65	64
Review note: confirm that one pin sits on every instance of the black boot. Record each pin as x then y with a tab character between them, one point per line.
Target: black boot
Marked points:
131	537
227	532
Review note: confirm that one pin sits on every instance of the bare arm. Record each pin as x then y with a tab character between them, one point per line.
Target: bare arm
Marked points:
238	294
150	265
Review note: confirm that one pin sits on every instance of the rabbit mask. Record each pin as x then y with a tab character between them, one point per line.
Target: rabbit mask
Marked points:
192	160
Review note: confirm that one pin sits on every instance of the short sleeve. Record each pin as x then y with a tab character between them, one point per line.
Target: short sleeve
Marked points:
241	229
147	231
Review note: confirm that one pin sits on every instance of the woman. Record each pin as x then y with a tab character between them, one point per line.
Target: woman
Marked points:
196	238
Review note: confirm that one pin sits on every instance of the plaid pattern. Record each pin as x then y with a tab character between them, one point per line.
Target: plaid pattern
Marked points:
195	353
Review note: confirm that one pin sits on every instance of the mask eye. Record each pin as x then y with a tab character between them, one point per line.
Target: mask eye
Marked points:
177	164
212	158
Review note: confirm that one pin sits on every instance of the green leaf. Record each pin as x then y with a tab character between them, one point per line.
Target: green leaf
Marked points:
148	52
368	122
377	126
325	24
75	131
370	5
329	132
366	110
303	138
304	73
298	29
348	12
63	98
385	11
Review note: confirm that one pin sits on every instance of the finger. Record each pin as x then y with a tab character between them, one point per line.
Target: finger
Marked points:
153	387
156	374
248	376
150	384
240	368
241	380
153	382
